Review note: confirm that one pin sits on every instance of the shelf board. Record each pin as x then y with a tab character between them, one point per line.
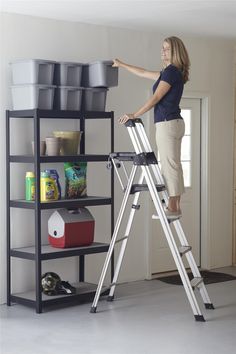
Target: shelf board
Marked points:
62	203
59	114
49	252
85	292
50	159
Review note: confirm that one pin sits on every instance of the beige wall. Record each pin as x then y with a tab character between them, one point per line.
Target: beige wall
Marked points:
29	37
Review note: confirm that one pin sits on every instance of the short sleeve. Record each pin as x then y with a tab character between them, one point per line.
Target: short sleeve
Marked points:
170	75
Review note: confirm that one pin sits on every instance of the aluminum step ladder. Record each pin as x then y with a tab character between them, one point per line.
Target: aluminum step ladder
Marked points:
150	180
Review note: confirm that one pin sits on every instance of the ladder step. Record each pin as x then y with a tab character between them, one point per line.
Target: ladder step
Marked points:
195	282
144	187
121	239
173	218
184	249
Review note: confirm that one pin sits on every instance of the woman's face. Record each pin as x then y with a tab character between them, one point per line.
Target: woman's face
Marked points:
166	53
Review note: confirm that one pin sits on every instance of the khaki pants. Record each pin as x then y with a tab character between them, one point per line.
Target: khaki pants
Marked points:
169	135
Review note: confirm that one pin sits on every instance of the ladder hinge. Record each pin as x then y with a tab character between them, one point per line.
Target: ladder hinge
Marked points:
136	206
131	122
145	158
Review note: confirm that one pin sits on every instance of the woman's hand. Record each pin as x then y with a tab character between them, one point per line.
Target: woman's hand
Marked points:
123	119
117	63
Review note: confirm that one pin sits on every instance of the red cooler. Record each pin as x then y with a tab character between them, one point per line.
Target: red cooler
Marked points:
71	228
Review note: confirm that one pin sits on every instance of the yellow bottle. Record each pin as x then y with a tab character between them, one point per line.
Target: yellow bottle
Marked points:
48	188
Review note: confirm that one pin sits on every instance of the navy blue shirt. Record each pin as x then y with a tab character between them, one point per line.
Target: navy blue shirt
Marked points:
168	107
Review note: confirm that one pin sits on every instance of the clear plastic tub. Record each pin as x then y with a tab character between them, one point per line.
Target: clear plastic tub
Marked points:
68	74
32	71
32	96
68	98
100	74
94	99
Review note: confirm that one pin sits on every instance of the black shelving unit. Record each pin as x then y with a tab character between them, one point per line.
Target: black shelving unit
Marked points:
39	252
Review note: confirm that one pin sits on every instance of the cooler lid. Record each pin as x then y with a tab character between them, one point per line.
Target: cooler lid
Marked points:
70	216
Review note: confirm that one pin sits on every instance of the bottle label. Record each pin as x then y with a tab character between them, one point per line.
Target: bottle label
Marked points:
32	192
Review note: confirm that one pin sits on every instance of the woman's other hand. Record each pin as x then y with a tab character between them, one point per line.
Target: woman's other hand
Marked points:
116	63
123	119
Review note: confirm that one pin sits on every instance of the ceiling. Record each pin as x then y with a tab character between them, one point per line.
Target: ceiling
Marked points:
198	18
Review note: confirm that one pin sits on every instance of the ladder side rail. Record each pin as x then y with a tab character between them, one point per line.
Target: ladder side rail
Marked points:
113	240
171	242
192	263
125	171
155	168
117	173
166	227
178	227
124	242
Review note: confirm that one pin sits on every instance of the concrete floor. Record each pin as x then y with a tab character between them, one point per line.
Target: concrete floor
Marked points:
147	317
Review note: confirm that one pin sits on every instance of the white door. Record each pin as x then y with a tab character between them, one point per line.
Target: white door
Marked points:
161	257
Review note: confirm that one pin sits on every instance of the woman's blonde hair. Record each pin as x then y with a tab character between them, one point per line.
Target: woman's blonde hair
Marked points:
179	56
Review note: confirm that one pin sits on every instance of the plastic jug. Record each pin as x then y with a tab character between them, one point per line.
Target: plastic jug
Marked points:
30	186
48	188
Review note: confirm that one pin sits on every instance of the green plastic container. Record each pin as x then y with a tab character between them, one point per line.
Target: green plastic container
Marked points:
30	186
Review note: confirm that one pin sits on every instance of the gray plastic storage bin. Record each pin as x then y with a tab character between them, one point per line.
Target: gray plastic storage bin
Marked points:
32	71
32	96
100	74
68	98
85	75
68	74
94	99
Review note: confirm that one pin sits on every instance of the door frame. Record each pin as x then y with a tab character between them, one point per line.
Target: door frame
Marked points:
205	175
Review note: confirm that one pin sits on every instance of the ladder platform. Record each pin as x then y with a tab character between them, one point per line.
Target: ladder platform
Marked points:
123	156
196	281
144	187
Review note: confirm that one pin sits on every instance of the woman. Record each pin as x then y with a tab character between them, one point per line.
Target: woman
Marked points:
167	93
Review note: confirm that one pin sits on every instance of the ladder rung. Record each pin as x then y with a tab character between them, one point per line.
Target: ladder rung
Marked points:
184	249
121	239
106	288
195	282
144	187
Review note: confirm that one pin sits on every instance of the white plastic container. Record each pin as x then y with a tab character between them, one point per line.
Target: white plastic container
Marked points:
99	74
32	96
68	98
68	74
32	71
94	99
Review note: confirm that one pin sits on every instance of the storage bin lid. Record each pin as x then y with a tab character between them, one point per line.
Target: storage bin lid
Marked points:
72	63
74	88
34	60
34	85
96	89
105	62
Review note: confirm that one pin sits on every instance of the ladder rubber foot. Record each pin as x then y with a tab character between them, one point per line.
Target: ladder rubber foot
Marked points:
93	309
209	306
110	298
199	318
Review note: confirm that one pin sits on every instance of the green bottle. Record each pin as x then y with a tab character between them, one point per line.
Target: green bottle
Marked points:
30	186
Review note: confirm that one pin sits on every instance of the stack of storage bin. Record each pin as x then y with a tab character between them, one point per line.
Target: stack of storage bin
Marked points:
47	84
32	84
96	78
68	95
